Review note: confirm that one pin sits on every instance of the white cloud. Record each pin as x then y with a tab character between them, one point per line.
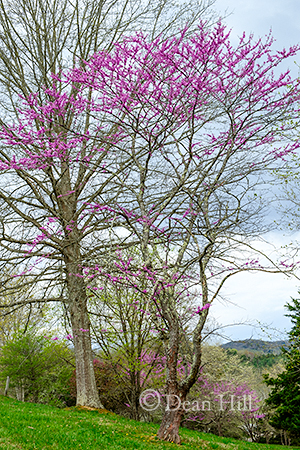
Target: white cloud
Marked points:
259	16
258	297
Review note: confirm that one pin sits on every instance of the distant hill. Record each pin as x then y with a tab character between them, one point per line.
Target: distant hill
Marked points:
257	345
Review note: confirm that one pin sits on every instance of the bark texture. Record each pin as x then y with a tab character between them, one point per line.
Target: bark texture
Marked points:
169	428
87	393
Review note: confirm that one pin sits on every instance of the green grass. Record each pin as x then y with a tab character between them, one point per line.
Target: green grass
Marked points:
33	426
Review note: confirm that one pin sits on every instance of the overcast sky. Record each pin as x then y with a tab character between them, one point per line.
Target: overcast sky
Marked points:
259	16
260	297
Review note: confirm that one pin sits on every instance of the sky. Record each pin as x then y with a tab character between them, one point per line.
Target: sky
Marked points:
259	298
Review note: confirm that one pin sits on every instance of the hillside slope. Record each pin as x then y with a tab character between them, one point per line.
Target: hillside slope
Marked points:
256	345
33	426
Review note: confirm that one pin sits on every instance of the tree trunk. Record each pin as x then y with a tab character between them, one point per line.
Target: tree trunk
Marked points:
87	392
219	429
177	390
169	428
6	387
20	392
135	396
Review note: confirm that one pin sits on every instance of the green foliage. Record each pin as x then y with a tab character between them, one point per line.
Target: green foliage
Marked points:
263	361
285	393
224	373
38	368
123	327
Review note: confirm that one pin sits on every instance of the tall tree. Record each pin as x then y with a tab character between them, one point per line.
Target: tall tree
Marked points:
180	131
285	393
38	38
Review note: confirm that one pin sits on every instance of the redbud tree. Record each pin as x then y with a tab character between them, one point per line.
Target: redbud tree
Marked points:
166	146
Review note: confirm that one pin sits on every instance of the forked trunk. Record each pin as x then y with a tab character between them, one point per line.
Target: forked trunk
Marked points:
177	390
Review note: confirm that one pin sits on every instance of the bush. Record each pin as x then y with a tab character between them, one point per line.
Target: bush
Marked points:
39	368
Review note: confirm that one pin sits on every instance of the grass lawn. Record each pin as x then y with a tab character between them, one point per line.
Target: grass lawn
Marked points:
33	426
